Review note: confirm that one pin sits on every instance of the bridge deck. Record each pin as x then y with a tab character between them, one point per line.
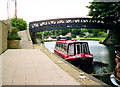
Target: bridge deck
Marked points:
66	23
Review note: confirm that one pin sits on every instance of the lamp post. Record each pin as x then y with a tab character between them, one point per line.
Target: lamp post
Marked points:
16	14
8	14
43	36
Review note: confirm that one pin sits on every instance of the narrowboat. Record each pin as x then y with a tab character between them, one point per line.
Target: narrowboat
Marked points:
73	50
115	78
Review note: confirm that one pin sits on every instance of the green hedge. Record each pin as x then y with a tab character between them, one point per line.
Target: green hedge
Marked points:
14	35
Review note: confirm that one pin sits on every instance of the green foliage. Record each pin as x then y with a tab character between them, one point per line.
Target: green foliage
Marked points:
76	31
39	32
115	38
90	38
14	35
90	35
102	34
106	11
42	41
46	33
100	41
21	24
96	32
63	31
109	13
83	31
57	32
73	35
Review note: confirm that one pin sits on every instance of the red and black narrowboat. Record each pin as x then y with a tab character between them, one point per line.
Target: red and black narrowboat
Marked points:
73	50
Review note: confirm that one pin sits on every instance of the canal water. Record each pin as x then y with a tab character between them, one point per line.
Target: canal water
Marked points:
103	62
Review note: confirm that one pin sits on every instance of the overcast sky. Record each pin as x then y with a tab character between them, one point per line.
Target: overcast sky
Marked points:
34	10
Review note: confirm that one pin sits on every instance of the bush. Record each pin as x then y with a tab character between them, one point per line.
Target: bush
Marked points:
14	35
96	32
42	41
100	41
73	35
102	34
21	24
90	35
105	35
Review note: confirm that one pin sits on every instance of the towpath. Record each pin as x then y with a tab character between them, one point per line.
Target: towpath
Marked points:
29	66
32	67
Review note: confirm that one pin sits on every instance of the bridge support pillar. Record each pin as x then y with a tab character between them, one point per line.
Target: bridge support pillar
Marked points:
33	37
108	40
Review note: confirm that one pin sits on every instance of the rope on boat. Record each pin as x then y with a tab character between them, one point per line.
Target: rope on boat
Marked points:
101	74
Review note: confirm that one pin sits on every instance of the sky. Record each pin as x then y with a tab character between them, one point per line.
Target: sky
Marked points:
35	10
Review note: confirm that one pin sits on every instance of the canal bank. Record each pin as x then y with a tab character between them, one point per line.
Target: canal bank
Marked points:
103	62
80	76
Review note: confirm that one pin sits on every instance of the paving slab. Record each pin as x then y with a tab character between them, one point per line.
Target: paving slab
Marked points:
32	67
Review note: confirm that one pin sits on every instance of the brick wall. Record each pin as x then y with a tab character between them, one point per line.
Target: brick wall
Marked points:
3	36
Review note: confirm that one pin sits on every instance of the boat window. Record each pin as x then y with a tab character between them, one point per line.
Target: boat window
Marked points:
78	48
62	48
57	45
65	48
71	49
85	48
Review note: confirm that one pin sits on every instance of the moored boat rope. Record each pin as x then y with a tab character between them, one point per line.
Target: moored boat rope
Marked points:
102	74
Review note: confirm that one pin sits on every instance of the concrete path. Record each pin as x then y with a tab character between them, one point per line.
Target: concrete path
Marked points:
25	42
32	67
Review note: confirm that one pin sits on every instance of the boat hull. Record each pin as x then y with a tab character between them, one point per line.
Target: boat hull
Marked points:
114	81
76	61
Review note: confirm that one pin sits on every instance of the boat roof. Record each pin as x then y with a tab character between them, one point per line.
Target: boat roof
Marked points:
69	41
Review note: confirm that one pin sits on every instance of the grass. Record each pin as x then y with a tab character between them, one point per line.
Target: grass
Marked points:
89	38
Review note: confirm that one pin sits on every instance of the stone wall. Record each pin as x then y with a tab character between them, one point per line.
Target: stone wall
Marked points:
0	37
13	44
3	36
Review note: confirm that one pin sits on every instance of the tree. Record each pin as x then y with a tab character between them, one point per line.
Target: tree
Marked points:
96	32
21	24
106	11
76	31
65	31
109	13
83	31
